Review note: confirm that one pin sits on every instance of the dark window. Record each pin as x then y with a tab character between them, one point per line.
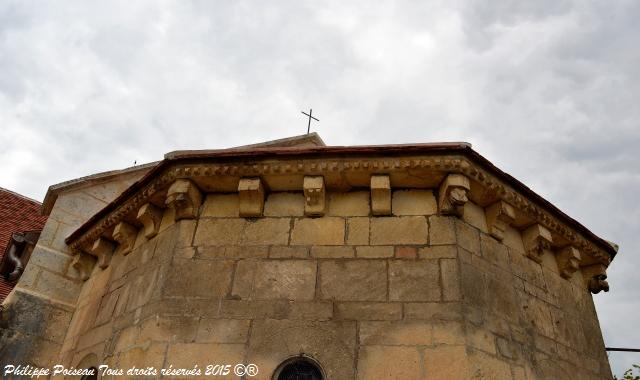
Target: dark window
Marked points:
299	369
91	377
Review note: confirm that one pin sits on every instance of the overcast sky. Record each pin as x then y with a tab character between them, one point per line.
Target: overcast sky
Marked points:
547	90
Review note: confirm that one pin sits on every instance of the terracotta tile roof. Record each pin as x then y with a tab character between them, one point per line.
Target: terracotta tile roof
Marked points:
17	214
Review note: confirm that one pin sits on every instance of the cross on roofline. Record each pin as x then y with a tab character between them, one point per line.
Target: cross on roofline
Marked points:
310	117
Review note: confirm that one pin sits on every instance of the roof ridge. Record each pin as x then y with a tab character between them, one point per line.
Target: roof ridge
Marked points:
20	195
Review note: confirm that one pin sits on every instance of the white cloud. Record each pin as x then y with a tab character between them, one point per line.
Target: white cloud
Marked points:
546	90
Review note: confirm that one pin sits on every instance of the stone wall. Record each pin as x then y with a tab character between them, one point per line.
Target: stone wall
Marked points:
37	313
413	295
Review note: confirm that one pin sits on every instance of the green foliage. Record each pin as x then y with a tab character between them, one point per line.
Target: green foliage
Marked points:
632	373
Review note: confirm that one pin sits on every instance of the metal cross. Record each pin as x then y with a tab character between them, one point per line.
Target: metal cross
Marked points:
310	117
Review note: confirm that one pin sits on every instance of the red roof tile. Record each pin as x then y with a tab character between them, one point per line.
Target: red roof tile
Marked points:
17	214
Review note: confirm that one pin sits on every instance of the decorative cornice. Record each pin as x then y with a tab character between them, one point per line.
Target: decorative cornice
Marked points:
457	166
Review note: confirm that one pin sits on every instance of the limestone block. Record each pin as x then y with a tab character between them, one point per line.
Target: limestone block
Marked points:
369	311
287	279
389	363
284	204
314	195
494	251
438	252
331	343
150	216
221	206
143	356
536	240
199	278
318	231
358	231
223	330
184	198
332	252
312	311
187	355
266	231
251	197
288	252
353	203
499	216
233	252
168	329
103	250
437	311
468	237
441	230
438	363
485	366
125	234
392	333
414	202
450	280
595	277
353	280
406	252
448	332
399	230
215	232
369	252
568	261
452	195
380	195
414	280
244	279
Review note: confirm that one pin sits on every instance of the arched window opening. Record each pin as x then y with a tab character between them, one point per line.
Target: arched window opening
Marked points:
299	368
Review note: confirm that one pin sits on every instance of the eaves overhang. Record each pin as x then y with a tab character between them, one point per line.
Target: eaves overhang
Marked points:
345	166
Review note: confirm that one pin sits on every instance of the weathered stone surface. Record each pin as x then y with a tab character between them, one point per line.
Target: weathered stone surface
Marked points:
168	329
221	205
399	230
186	355
290	279
219	232
222	330
357	280
414	280
414	202
266	231
450	280
468	237
199	278
288	252
475	216
330	343
374	252
320	231
332	252
353	203
369	311
358	231
438	252
438	311
438	363
284	204
389	362
393	333
406	252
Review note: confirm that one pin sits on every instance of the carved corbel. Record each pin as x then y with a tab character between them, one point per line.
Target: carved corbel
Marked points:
150	216
251	197
314	195
536	240
453	195
103	250
595	278
568	260
185	198
499	216
83	263
125	234
380	195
